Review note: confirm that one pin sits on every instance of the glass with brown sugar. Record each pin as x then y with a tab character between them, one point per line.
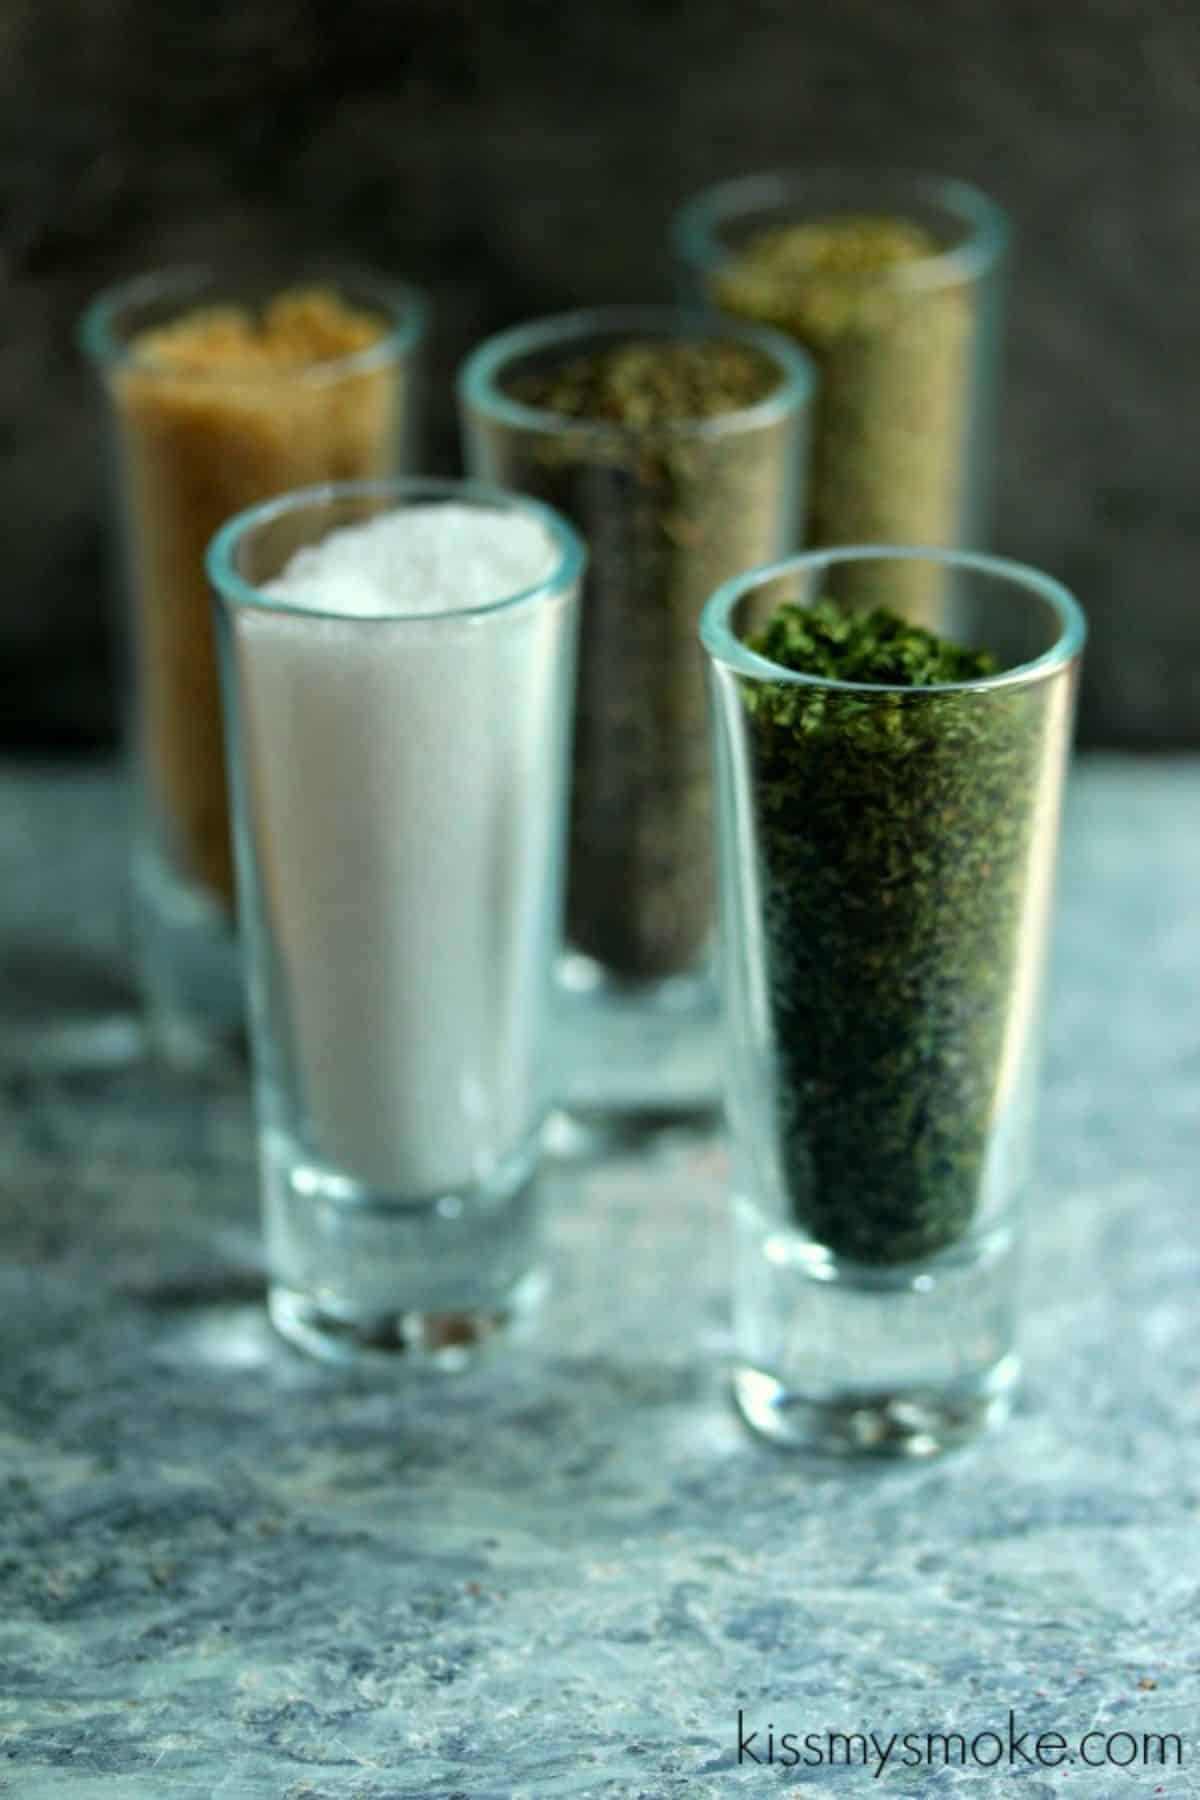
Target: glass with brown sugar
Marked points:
221	392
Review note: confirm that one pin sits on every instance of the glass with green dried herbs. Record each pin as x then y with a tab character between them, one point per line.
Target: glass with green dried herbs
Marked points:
888	799
675	444
893	285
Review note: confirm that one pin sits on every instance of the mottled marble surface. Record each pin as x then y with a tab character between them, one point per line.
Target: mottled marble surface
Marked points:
225	1571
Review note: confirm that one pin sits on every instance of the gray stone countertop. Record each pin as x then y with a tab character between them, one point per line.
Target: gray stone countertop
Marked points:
228	1572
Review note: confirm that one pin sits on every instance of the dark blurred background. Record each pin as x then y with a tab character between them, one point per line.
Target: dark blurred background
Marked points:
519	159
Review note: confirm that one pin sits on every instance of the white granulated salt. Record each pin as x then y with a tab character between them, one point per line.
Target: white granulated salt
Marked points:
403	760
421	559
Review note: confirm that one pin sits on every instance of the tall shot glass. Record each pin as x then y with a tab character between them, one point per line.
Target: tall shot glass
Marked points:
670	505
895	285
886	859
399	786
204	420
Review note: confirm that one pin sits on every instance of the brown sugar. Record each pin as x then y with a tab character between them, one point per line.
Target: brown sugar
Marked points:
215	411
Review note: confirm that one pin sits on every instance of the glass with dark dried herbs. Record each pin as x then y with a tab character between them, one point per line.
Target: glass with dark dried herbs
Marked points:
894	285
888	795
675	444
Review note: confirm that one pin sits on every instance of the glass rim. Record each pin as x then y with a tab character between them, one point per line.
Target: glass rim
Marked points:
406	306
234	591
480	372
695	228
723	647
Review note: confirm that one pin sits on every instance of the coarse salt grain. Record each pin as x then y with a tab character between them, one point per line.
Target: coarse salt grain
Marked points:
420	560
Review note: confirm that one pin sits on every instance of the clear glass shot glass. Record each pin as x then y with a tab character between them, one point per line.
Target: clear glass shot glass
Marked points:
886	859
895	284
399	787
669	508
198	433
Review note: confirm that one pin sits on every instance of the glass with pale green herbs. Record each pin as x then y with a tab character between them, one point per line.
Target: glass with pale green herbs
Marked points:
675	444
894	285
888	783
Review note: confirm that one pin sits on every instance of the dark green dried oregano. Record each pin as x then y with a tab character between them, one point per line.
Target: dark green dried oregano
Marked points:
669	511
894	832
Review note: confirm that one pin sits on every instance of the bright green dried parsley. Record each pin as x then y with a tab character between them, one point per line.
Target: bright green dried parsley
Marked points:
894	833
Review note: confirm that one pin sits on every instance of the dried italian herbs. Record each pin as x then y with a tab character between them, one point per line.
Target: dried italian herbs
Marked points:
669	510
889	453
894	832
653	382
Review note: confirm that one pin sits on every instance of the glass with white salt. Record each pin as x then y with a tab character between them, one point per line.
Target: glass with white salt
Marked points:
397	666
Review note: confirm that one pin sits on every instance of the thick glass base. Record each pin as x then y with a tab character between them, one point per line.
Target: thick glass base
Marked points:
636	1057
358	1275
186	958
844	1360
443	1340
911	1423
